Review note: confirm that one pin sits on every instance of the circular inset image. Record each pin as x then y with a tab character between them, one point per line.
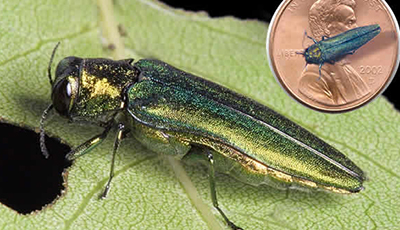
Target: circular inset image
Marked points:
332	55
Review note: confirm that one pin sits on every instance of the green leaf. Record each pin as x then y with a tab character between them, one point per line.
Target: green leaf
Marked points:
151	191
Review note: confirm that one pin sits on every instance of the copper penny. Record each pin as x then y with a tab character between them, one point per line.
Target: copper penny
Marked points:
347	83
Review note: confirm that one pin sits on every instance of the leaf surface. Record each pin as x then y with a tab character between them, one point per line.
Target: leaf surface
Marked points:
151	191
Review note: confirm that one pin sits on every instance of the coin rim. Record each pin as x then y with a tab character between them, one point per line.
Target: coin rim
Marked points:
330	110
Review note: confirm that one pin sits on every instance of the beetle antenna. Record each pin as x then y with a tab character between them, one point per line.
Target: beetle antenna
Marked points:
51	61
42	133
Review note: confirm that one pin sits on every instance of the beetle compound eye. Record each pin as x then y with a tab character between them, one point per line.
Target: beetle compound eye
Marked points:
62	97
69	90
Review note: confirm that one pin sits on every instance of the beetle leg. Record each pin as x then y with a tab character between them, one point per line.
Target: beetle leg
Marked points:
120	136
351	52
88	145
324	37
128	60
214	193
310	37
319	70
305	67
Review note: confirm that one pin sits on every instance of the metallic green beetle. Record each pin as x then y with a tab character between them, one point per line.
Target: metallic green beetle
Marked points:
173	112
331	50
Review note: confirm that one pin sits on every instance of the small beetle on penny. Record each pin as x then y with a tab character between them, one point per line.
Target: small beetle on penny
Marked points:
331	50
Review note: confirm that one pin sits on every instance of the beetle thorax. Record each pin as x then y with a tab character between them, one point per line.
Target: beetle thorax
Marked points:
98	98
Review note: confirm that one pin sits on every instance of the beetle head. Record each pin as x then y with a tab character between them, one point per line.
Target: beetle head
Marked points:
65	86
313	55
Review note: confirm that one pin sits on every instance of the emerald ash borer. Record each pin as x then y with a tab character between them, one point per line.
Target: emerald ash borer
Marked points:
176	113
331	50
